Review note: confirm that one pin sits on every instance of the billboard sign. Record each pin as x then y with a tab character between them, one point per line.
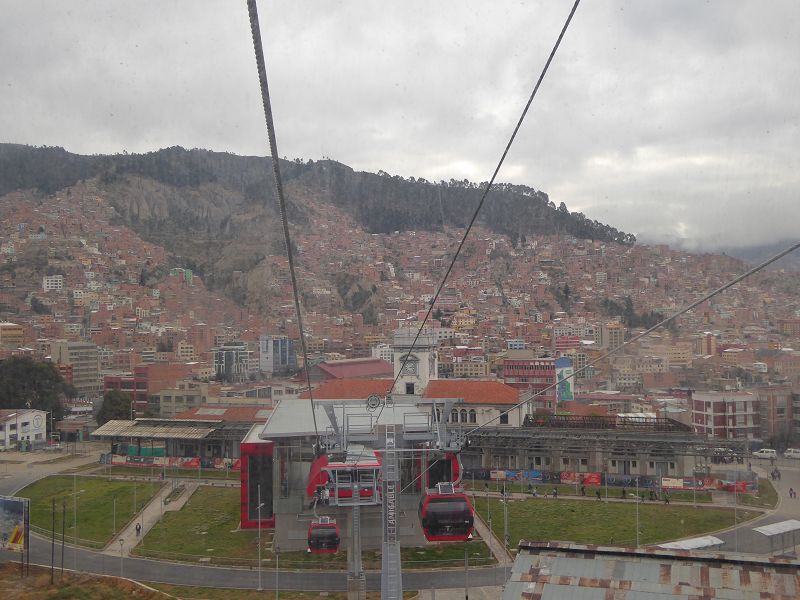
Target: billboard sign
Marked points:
564	373
12	523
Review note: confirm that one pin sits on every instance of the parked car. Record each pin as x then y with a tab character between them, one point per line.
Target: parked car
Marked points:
765	453
792	453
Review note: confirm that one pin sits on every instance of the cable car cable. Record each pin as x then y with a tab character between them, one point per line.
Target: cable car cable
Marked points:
258	47
694	304
486	190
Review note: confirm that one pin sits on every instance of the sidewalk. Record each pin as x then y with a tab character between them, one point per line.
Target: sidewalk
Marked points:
148	517
496	546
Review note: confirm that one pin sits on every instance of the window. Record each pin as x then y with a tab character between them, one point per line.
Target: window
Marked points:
634	464
473	417
672	465
463	416
504	419
409	388
651	464
565	461
584	462
537	461
454	416
613	463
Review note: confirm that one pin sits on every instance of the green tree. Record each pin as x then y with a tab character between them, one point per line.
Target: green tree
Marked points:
116	405
26	383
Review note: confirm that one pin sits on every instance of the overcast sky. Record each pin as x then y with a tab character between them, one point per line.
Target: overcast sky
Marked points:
674	120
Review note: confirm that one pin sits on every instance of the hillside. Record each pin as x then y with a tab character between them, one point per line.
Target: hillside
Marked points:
216	212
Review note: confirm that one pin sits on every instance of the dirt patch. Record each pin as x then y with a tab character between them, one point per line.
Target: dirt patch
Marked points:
37	586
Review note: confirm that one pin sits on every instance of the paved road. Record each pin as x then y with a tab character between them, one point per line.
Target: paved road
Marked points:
744	539
183	574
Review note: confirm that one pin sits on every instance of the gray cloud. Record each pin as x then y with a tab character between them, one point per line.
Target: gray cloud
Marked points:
675	120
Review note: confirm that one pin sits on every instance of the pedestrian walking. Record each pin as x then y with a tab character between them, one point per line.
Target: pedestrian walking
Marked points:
666	497
555	492
623	493
597	493
792	493
583	490
138	529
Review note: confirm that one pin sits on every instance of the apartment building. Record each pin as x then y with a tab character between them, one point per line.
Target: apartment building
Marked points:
726	415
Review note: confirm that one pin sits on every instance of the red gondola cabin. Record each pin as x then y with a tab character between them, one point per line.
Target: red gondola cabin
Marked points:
446	515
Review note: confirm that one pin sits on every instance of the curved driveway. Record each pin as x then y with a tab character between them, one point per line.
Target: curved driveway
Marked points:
742	539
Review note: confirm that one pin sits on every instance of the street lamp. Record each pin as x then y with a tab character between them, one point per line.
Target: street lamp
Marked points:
121	557
260	587
637	512
277	552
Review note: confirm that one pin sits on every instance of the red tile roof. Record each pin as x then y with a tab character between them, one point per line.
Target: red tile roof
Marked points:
226	413
350	389
472	391
357	367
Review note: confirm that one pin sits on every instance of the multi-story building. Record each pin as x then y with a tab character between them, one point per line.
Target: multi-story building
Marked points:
233	361
85	362
382	351
474	367
53	283
11	334
775	404
726	415
610	335
22	426
524	370
277	354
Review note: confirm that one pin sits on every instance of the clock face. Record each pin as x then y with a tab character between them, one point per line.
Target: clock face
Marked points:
37	421
410	368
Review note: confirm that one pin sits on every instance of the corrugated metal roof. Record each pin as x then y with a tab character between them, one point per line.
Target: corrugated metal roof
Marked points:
164	432
556	571
706	541
778	528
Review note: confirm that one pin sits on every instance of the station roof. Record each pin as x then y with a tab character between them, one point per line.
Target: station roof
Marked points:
706	541
158	430
294	418
778	528
559	570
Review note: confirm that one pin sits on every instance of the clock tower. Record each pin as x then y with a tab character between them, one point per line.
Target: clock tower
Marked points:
416	366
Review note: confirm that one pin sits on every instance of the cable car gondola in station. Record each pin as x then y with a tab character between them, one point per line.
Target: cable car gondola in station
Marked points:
323	536
446	514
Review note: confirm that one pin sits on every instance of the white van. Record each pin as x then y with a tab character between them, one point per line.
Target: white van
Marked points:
765	453
792	453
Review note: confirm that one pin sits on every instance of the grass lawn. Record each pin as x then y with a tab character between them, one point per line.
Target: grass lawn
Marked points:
604	523
95	503
767	496
569	490
207	527
170	472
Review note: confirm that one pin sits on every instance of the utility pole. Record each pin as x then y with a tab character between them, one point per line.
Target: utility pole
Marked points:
637	511
75	523
466	570
63	532
260	587
53	545
277	551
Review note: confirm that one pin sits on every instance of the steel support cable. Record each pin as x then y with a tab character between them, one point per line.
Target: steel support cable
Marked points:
486	190
258	46
694	304
647	332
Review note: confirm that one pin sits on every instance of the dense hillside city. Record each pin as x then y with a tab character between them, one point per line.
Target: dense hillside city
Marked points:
76	279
